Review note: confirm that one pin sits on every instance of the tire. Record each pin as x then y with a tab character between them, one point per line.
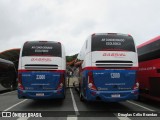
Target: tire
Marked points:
64	93
80	95
141	99
11	87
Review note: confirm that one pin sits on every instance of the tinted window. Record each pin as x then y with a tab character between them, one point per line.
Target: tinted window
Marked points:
42	49
149	52
112	43
149	48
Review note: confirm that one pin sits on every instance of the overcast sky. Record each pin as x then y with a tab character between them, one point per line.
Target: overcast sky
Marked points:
72	21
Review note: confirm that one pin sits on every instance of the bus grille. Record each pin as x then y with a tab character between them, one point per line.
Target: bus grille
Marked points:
114	63
40	66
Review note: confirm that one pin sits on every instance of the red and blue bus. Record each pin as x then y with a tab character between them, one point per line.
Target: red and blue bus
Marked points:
149	69
41	71
108	64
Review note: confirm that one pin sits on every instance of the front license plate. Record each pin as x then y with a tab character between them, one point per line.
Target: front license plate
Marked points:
39	94
115	95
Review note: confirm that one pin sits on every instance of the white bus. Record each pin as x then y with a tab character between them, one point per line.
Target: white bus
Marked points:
41	71
107	65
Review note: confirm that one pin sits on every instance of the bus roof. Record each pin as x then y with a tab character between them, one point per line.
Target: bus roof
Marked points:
149	41
6	61
35	41
111	34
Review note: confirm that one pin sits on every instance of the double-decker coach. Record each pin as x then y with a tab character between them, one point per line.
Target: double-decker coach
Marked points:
41	72
108	66
149	69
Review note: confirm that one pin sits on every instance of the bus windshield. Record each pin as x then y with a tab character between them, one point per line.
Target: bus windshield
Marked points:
112	43
42	49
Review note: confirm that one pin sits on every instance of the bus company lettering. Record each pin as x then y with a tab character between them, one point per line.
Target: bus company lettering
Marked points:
41	59
42	47
114	54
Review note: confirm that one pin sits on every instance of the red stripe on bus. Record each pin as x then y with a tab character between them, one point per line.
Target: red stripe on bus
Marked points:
148	42
98	68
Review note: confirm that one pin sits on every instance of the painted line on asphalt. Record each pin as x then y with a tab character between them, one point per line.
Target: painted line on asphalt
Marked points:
7	92
126	118
123	118
15	105
23	118
73	117
140	106
74	103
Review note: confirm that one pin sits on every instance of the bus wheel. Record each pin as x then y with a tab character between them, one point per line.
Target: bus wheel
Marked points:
64	94
81	97
141	99
63	97
11	87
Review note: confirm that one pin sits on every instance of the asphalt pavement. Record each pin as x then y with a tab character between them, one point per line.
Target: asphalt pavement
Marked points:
71	108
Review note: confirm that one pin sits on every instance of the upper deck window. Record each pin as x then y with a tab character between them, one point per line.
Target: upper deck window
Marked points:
35	48
150	51
112	43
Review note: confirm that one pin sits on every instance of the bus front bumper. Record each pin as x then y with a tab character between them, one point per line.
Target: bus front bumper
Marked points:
41	94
